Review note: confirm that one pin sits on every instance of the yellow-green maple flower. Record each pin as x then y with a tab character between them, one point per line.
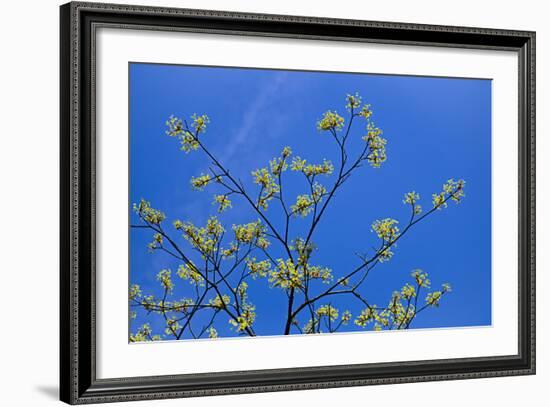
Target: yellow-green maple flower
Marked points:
143	334
386	229
165	278
297	164
135	291
421	278
258	268
269	186
286	275
251	233
322	273
245	320
451	189
303	206
408	291
175	126
223	202
346	317
326	168
330	121
433	298
147	213
411	198
172	326
201	181
367	315
189	272
220	302
212	333
365	112
278	165
303	250
328	311
230	252
353	101
187	139
377	145
199	122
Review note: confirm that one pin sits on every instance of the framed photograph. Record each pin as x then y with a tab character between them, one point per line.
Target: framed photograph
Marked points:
255	203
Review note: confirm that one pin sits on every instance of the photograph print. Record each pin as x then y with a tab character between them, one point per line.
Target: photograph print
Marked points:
268	202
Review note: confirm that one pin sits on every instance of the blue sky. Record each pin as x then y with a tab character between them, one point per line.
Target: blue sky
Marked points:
437	128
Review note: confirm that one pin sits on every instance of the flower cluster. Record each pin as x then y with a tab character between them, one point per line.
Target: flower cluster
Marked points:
434	297
411	198
326	168
408	291
270	188
397	313
223	202
204	239
258	268
401	309
303	206
144	334
148	214
187	139
220	302
367	315
199	123
172	326
156	243
180	306
297	164
247	313
149	303
386	229
134	292
175	126
421	278
321	273
212	333
385	254
318	192
330	121
165	278
251	233
278	165
190	272
327	311
353	101
376	146
230	251
246	319
311	170
451	190
303	250
365	112
286	275
198	183
346	317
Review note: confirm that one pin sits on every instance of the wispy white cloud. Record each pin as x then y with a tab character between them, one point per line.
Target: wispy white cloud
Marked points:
245	137
252	117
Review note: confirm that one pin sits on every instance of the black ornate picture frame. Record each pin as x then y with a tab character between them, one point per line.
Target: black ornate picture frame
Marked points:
79	384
